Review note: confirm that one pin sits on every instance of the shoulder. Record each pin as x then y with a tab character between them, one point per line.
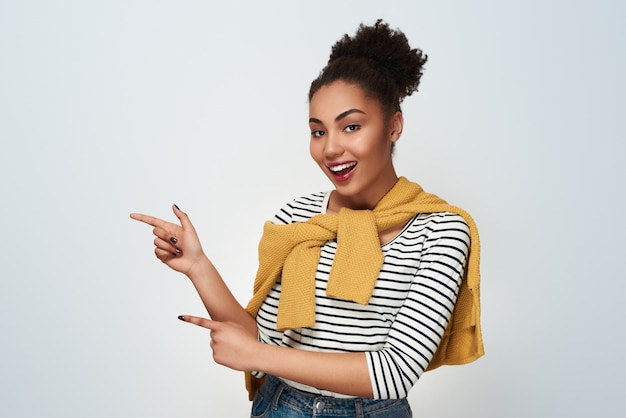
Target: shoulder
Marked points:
302	208
441	225
442	219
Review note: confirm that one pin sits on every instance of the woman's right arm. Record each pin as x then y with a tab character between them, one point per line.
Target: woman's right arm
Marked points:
178	246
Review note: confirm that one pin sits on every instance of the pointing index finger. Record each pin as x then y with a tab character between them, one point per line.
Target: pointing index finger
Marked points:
202	322
150	220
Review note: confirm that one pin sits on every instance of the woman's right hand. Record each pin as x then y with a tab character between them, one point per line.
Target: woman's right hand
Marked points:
178	246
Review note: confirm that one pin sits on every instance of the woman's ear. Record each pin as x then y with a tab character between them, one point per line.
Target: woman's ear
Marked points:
396	125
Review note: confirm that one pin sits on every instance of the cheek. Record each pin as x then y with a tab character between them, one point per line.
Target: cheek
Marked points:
315	150
369	148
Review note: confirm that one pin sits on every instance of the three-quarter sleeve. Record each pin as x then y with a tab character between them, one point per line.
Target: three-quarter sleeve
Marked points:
419	325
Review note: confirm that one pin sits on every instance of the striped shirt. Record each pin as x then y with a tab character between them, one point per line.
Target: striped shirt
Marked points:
401	326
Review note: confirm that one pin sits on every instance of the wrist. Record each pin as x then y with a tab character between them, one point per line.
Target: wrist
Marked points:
201	269
262	358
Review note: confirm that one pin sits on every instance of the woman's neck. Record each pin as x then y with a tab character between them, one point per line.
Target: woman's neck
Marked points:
362	201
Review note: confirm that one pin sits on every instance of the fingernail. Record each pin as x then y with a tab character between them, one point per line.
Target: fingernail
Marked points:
179	251
176	206
173	240
181	317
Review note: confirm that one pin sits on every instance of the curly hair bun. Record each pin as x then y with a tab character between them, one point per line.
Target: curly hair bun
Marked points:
380	60
387	49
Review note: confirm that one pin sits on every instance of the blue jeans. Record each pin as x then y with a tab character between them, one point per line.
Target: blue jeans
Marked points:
275	399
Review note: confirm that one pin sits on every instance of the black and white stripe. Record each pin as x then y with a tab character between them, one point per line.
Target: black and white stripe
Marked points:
401	326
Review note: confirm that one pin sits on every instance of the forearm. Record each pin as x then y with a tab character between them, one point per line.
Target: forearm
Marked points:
345	373
217	298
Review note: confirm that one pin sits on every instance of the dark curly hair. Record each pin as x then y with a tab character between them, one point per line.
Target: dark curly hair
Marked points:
380	60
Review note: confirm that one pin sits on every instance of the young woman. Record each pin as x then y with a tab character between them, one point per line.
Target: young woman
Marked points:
360	289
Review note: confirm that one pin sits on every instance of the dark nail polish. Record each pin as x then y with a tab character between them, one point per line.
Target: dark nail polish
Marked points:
181	317
176	206
179	251
173	240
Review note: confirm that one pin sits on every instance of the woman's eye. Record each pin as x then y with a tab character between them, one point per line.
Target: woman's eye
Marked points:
317	134
352	128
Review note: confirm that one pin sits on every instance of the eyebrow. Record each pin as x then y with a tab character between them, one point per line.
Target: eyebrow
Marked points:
339	117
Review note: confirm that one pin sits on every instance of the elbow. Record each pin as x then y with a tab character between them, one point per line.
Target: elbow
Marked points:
391	377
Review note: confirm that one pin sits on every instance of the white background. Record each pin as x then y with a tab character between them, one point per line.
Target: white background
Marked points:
113	107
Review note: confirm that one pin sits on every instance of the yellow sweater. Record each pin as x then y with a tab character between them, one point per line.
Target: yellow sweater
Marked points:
293	251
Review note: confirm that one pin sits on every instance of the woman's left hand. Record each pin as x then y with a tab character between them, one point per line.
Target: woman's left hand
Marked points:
232	345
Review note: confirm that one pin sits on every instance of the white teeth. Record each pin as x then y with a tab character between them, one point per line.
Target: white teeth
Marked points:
340	167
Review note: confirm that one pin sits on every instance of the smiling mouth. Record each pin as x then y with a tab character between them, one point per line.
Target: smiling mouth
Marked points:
342	169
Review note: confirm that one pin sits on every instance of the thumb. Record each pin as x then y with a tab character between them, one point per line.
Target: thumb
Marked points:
182	217
201	322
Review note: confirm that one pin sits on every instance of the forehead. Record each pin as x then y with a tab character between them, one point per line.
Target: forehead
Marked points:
332	99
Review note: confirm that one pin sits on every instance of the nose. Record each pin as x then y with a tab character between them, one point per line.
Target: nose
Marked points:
333	148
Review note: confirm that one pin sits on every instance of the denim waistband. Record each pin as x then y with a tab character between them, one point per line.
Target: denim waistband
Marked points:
319	405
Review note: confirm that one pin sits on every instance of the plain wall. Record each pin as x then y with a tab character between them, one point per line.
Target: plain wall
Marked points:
113	107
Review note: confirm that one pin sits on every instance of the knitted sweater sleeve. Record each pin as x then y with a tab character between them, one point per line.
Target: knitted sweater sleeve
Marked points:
419	324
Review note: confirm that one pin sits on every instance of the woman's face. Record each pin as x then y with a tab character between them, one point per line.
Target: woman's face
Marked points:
351	141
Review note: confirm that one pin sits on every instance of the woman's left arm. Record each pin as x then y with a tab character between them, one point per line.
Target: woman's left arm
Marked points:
382	374
237	349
